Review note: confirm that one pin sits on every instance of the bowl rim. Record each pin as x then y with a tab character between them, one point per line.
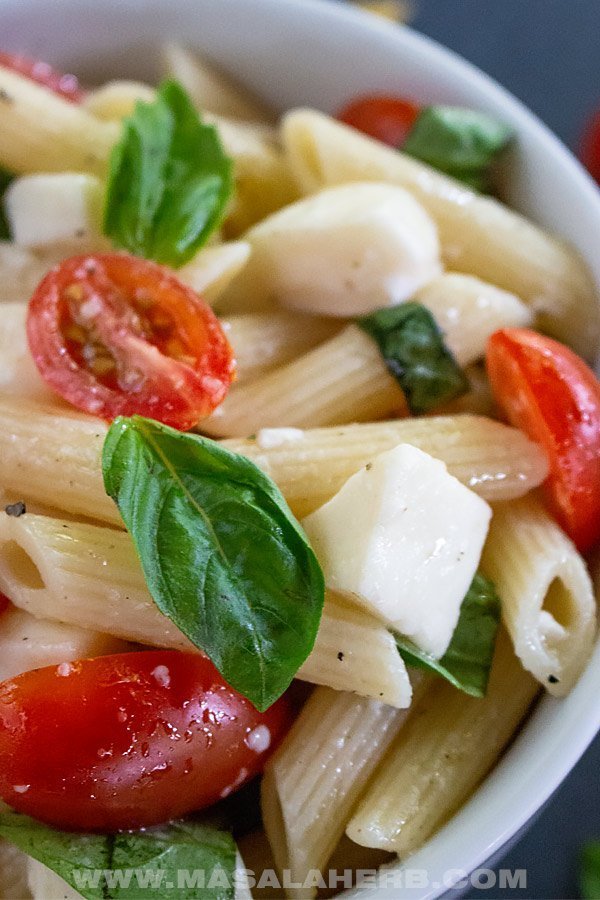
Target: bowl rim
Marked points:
515	791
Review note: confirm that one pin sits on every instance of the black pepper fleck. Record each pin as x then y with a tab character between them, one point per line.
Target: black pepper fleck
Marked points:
15	509
369	466
5	96
553	679
340	656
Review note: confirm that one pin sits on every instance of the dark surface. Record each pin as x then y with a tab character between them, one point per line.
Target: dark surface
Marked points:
547	52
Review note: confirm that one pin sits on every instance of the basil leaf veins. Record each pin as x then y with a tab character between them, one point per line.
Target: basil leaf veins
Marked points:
468	660
414	352
222	554
169	181
132	865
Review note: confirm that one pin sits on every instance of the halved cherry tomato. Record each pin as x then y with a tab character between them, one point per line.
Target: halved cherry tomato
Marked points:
129	740
117	335
550	393
388	119
66	86
590	147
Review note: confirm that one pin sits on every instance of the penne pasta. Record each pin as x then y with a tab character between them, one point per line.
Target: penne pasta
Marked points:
116	99
346	379
48	566
548	603
263	341
29	643
313	781
447	747
213	268
19	376
13	871
209	88
20	271
497	462
42	132
479	235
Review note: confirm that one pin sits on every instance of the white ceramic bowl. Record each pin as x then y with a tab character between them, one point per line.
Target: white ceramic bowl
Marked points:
313	52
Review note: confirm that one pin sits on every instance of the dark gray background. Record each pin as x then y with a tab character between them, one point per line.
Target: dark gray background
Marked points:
547	52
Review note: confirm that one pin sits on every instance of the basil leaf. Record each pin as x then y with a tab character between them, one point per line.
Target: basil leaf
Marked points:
589	874
468	660
169	180
155	862
460	142
5	180
414	351
222	554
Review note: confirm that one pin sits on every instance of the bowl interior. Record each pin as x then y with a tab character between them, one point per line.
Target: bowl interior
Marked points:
311	52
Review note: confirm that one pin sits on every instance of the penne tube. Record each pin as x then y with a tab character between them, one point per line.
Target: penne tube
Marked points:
209	88
479	235
346	379
53	457
20	271
213	268
263	341
548	603
42	132
90	576
116	99
29	643
13	871
446	749
313	781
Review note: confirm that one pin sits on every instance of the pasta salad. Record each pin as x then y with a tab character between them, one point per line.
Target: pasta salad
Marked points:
300	468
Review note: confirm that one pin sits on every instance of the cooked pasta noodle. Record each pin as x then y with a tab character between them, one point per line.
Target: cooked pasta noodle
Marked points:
447	747
91	577
479	236
548	603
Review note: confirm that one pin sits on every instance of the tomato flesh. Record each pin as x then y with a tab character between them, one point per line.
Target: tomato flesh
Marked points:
66	86
388	119
4	601
590	147
548	392
129	740
117	335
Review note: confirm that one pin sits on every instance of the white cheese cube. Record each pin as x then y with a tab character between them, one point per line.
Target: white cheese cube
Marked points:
404	538
346	251
44	209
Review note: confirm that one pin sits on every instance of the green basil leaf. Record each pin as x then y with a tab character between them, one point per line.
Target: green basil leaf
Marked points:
169	861
460	142
222	554
468	660
169	180
414	351
5	180
589	873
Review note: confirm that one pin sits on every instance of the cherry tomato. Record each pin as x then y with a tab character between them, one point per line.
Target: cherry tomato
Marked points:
590	147
117	335
66	86
551	394
4	601
388	119
129	740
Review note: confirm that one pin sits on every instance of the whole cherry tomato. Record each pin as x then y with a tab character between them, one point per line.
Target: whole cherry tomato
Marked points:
548	392
117	335
129	740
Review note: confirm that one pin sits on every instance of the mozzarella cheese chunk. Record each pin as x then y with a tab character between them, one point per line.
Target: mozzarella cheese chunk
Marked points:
347	251
44	209
404	538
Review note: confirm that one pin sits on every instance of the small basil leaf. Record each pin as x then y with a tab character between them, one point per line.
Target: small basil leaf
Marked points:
140	864
414	351
222	554
5	180
589	873
468	660
460	142
169	180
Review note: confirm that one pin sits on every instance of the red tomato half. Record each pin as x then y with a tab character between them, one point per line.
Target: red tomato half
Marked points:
590	147
388	119
129	740
66	86
549	392
117	335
